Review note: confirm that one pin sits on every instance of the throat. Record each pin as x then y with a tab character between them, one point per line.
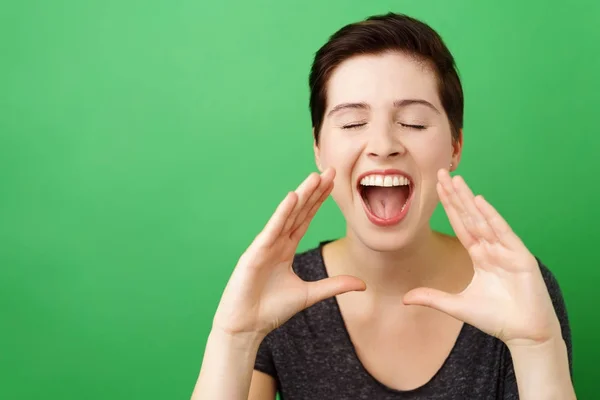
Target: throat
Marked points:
385	202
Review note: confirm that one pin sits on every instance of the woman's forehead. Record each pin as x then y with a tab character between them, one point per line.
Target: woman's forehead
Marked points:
382	79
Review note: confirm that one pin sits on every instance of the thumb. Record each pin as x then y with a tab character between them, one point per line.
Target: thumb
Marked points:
329	287
451	304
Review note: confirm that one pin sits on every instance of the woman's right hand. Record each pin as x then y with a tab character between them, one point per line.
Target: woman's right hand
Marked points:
263	291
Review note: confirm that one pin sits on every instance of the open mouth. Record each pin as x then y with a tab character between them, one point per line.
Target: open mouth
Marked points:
386	196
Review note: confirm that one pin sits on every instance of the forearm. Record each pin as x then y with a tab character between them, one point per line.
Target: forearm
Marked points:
227	367
542	372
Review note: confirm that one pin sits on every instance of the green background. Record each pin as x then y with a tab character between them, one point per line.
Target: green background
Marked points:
143	144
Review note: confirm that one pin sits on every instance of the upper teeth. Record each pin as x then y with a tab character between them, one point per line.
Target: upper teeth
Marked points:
384	180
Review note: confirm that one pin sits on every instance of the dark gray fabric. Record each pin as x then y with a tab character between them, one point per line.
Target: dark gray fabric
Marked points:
311	355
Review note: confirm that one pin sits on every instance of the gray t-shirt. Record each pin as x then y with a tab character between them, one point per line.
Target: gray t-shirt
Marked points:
312	357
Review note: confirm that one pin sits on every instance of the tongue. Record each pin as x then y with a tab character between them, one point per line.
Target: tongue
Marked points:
386	202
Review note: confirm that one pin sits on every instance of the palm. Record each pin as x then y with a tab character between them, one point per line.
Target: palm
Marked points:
263	291
507	296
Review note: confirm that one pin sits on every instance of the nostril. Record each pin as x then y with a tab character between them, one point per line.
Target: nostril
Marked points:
390	155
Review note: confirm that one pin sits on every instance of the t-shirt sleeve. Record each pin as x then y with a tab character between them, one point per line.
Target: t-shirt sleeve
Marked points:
510	384
264	357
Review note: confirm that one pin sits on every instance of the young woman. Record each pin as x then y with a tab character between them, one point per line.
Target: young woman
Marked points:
393	310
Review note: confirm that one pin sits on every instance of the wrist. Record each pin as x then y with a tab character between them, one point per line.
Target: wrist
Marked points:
542	369
236	341
545	335
553	345
227	366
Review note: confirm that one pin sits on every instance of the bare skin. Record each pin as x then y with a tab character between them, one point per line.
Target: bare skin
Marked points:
402	346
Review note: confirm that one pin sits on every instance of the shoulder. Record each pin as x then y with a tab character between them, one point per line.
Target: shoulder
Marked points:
559	304
552	285
555	292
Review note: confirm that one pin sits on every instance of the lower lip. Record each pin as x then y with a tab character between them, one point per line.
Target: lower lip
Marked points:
387	222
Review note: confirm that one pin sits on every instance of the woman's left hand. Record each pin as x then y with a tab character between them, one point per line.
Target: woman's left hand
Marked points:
507	297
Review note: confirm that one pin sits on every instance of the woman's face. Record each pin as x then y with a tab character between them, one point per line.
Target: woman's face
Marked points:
387	135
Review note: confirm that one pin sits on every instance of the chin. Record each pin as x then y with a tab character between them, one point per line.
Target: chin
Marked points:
389	239
386	242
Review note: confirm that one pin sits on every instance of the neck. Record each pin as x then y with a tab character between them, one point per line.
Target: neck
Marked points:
425	261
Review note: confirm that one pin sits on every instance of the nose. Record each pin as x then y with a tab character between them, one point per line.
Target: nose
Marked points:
384	145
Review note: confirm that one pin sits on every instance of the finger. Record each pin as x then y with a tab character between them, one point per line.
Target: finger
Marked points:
499	225
455	220
276	223
455	201
329	287
304	191
480	226
451	304
326	181
303	227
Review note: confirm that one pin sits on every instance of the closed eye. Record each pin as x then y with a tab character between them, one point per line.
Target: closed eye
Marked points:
419	127
354	126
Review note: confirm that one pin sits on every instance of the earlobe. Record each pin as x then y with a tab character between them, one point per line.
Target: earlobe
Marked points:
456	150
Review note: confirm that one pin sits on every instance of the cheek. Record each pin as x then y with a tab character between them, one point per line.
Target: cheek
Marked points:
341	154
432	152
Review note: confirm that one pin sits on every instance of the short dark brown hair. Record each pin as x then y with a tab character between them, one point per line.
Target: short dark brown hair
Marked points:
379	34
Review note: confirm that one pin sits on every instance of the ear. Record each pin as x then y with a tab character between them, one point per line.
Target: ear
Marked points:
317	152
457	146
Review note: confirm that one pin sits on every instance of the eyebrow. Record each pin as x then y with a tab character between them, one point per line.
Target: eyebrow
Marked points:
345	106
409	102
397	104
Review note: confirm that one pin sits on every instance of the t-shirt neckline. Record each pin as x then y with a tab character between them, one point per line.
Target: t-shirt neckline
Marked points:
339	318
